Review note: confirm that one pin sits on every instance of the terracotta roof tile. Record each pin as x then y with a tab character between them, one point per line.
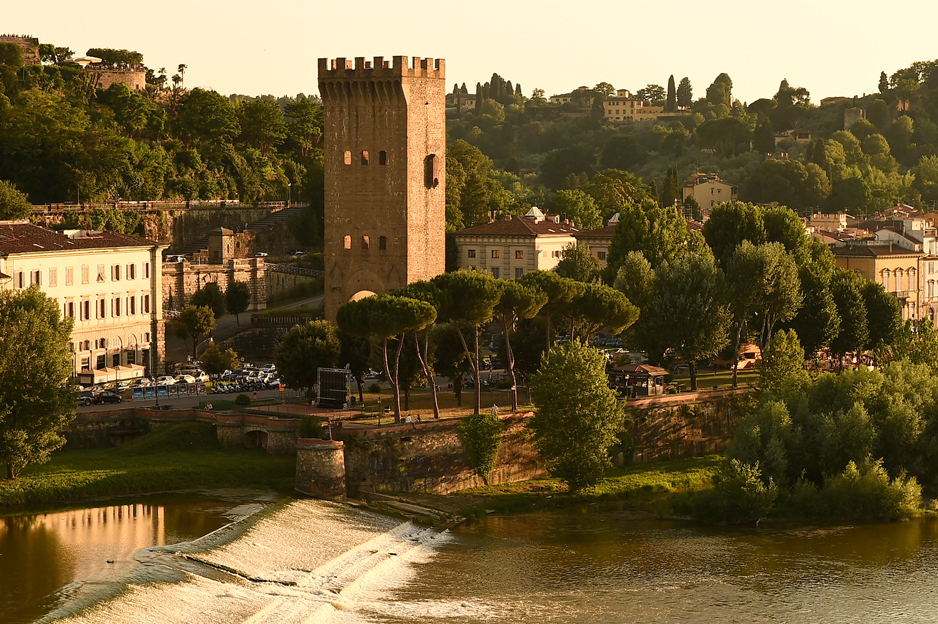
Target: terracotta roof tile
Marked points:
25	237
518	226
871	251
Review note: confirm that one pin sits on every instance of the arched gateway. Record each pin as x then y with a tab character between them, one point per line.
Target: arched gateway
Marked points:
385	192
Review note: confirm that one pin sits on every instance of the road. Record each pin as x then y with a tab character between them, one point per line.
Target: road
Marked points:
179	402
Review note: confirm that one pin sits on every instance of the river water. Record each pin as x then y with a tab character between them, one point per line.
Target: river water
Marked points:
316	562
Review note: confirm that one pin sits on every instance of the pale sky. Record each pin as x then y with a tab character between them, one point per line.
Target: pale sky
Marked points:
831	47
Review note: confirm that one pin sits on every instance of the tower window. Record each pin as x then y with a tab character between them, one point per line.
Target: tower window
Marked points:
348	157
431	172
348	242
382	157
366	242
365	157
382	242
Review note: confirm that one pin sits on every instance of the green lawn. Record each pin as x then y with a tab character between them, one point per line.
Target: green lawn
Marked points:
720	377
644	484
175	457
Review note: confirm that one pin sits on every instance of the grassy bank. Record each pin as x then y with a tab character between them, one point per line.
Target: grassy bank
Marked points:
181	456
646	486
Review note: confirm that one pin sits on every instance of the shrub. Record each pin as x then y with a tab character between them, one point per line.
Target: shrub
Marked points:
865	492
503	384
375	388
481	435
739	495
310	426
242	399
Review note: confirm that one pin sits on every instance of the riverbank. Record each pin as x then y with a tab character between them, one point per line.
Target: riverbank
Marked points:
651	488
183	456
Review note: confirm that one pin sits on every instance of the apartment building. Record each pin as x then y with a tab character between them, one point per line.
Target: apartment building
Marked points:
109	283
709	191
515	246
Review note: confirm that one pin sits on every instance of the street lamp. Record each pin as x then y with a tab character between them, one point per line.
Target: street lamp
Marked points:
289	193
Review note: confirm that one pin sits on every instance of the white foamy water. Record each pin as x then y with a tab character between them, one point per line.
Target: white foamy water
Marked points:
308	562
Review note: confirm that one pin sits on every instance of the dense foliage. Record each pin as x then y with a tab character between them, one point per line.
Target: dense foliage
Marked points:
36	402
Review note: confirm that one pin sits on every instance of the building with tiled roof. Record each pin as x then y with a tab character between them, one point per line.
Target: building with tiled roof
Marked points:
109	283
512	247
709	191
895	267
598	240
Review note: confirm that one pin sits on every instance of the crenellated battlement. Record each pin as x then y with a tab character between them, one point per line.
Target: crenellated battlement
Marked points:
398	67
19	39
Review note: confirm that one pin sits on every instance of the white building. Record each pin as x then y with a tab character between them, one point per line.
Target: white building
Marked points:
109	283
515	246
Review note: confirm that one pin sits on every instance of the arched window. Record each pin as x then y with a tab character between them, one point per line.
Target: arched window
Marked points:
366	242
382	243
382	157
365	157
431	165
348	242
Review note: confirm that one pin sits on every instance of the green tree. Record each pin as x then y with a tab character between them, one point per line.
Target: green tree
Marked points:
206	117
262	124
303	350
685	93
516	302
36	402
449	358
782	359
384	319
659	233
355	354
671	102
601	306
560	292
13	204
671	189
817	322
210	295
11	55
883	315
578	263
237	298
916	342
724	134
763	139
215	361
577	206
481	436
730	224
428	293
690	300
468	299
847	290
304	117
576	415
194	322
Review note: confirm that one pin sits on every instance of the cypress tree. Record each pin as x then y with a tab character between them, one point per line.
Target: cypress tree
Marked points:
685	93
671	104
819	155
518	91
464	89
883	82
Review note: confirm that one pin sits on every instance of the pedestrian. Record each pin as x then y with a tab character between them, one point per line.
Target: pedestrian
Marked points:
494	409
419	419
410	421
255	395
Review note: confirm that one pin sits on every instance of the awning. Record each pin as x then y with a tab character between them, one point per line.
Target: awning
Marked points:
104	375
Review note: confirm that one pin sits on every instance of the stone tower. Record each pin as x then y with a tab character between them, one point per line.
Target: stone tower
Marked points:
384	151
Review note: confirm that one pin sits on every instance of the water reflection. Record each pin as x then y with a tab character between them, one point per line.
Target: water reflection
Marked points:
603	566
42	553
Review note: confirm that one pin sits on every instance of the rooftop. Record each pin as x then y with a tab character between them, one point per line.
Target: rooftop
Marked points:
873	251
24	237
518	226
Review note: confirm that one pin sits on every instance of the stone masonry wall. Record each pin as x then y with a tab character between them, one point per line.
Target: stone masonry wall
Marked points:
430	458
135	79
683	425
